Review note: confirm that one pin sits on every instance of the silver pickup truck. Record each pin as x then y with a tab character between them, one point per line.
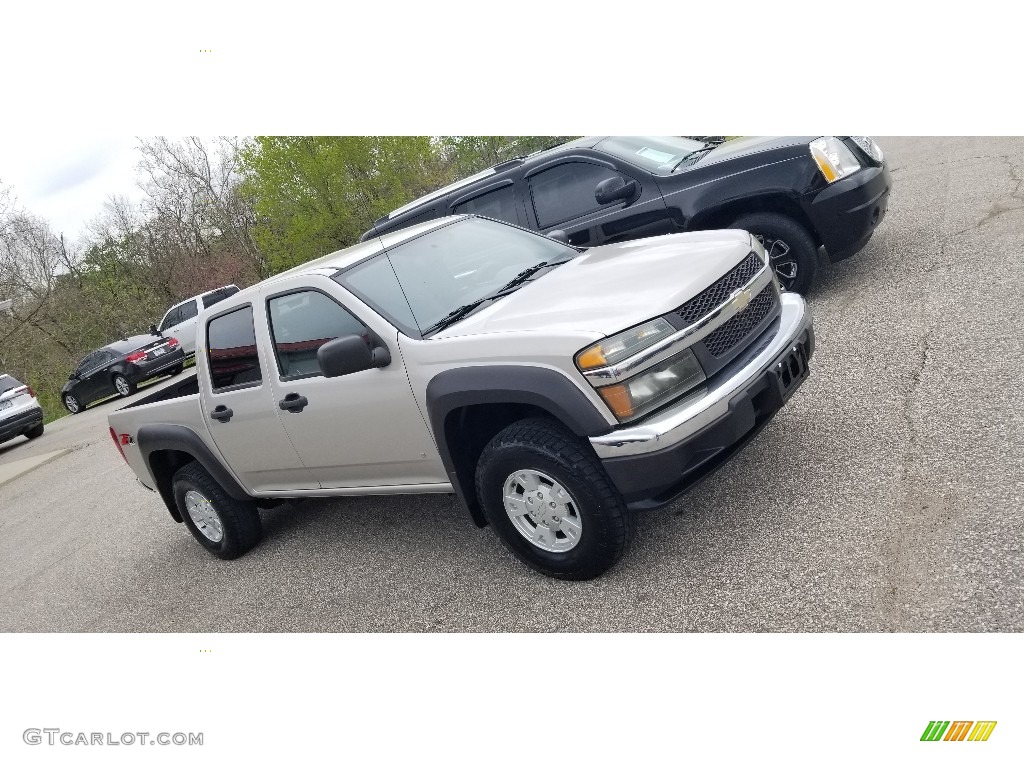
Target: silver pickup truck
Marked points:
555	391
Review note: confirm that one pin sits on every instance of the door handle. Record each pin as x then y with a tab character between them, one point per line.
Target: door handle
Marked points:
222	414
293	402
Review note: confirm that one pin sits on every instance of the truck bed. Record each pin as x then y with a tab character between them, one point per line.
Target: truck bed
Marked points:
182	388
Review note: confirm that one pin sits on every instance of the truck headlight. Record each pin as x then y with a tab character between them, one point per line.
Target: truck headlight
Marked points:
617	348
834	158
870	147
654	387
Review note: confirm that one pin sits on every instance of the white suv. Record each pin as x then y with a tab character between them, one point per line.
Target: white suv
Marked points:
180	320
20	413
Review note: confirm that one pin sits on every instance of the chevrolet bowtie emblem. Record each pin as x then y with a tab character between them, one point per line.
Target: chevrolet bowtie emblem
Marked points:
740	299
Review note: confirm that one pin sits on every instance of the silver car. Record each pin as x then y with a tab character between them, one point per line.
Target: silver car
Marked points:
20	413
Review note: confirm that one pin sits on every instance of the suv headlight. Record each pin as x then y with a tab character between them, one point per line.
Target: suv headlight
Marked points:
870	147
617	348
654	387
834	158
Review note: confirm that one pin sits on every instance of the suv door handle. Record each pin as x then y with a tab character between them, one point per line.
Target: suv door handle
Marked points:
293	402
222	414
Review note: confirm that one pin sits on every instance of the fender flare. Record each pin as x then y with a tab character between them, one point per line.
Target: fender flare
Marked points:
543	388
172	437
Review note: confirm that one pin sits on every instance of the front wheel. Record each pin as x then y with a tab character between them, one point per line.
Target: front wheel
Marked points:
73	404
551	502
227	527
791	251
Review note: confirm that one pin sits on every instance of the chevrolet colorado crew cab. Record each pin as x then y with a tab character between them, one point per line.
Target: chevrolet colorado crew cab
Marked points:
555	391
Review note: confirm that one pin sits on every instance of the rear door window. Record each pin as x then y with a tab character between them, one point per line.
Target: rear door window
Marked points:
211	298
499	204
231	351
301	323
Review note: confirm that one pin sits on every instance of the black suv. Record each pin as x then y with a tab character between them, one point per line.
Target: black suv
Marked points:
794	193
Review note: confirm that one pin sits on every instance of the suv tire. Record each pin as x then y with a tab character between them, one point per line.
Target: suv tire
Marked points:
225	526
35	432
551	502
791	250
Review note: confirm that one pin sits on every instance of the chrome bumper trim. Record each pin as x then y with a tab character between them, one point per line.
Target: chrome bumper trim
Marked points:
690	416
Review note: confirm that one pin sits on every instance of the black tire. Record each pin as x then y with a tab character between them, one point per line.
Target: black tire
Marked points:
802	253
176	370
72	404
546	447
35	432
240	521
127	390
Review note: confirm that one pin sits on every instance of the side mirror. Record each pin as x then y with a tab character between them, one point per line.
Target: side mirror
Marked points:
560	235
616	188
154	330
350	354
71	376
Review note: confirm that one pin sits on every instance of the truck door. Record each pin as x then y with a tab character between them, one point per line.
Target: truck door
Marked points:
360	430
239	408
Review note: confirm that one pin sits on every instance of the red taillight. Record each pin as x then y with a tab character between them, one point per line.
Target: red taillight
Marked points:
31	392
172	342
134	357
123	440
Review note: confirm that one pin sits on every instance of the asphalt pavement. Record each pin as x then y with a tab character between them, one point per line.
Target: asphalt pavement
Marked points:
886	496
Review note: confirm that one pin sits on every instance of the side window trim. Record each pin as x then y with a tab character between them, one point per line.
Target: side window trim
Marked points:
209	368
481	192
273	339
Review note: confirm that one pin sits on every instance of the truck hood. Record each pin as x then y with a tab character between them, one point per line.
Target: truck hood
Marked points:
613	287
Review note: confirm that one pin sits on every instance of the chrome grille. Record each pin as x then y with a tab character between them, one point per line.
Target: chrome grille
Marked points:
739	326
710	298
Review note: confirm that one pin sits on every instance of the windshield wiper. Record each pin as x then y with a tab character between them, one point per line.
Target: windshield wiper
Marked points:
707	147
510	287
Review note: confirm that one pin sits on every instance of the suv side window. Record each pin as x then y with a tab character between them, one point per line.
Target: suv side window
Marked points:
211	298
231	350
566	191
188	311
499	204
301	323
173	317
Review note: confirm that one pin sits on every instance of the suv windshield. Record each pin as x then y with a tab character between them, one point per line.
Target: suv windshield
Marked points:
423	281
657	154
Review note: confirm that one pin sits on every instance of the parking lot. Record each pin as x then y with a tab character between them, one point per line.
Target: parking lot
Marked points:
886	496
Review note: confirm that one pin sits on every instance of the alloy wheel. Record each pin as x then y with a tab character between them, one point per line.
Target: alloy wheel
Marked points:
542	511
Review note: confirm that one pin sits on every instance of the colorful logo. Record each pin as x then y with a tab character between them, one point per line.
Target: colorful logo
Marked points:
958	730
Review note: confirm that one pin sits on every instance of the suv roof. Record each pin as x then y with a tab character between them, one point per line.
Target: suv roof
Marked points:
586	142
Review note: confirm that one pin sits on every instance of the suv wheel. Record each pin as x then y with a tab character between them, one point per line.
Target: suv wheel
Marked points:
225	526
36	431
791	250
73	404
551	502
123	386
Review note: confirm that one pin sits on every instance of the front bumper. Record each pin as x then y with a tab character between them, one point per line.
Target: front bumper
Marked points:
19	423
846	213
656	460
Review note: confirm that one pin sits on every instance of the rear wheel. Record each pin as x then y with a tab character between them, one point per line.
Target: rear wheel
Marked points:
227	527
176	369
35	432
791	251
551	502
123	386
73	404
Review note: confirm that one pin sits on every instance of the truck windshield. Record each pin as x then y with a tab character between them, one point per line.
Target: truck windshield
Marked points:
657	154
423	281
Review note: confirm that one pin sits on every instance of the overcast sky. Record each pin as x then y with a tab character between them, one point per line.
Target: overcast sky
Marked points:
67	179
